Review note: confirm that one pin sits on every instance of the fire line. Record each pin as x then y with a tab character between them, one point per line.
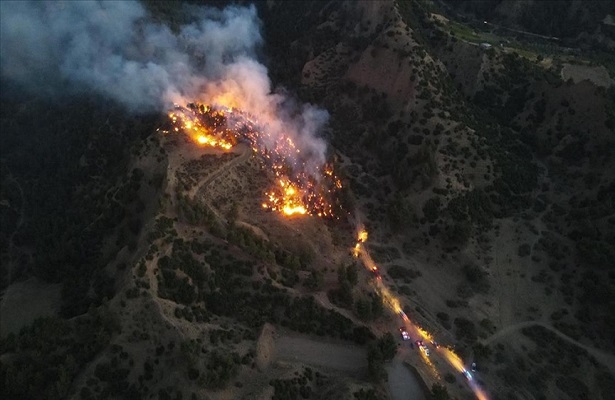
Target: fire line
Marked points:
296	191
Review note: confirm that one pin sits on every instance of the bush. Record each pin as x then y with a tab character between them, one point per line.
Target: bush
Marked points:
53	352
572	387
431	209
444	320
363	394
482	353
438	392
459	232
465	330
524	250
220	368
400	213
477	278
404	273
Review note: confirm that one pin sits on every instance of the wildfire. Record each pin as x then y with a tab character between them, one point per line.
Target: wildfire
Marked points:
362	236
194	127
286	199
296	191
213	142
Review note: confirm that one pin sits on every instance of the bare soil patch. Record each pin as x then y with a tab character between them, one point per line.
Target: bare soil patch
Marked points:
319	353
598	75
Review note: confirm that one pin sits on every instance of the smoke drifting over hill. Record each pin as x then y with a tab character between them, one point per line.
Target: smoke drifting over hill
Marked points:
117	50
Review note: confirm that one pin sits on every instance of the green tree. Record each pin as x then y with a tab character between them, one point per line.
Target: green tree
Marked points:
387	346
345	294
341	274
431	209
233	213
352	274
363	309
459	232
315	281
439	392
375	363
481	352
400	213
377	305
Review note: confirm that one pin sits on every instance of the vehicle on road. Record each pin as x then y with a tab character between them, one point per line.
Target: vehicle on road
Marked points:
473	367
404	333
422	347
467	374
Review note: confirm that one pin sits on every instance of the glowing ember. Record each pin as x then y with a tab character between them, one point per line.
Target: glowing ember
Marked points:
198	129
297	192
287	198
362	237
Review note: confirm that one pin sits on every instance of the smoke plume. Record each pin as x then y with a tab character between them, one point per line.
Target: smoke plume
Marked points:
116	49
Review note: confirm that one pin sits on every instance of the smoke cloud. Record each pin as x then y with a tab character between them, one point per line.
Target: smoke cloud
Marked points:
116	49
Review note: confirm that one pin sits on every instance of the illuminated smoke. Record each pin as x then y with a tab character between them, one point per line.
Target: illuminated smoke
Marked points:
116	49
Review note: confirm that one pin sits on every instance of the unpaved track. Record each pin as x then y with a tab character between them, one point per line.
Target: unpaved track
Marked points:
247	152
606	359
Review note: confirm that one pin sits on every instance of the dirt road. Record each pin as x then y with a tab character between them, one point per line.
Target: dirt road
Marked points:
245	154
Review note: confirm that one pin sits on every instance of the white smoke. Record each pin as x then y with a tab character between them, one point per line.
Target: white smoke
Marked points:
115	48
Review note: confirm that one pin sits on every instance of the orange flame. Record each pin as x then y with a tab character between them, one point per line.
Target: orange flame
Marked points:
287	199
296	191
195	129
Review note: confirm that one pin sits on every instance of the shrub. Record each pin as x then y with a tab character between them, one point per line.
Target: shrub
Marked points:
431	209
524	250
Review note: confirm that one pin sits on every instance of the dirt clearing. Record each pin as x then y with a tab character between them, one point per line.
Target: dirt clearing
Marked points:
336	356
599	76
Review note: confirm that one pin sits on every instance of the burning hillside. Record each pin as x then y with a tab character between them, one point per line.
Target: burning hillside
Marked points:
148	67
300	188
